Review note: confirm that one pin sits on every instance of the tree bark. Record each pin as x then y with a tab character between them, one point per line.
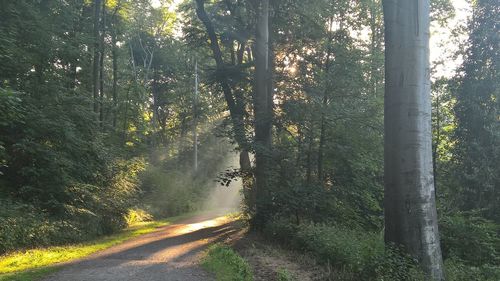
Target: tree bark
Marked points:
101	64
410	207
309	156
114	89
262	100
322	135
95	63
435	147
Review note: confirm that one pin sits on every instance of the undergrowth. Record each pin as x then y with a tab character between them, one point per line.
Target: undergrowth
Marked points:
36	263
360	255
226	264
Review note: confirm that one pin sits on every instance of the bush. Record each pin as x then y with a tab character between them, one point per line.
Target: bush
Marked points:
227	264
457	270
356	255
90	211
23	226
137	215
470	238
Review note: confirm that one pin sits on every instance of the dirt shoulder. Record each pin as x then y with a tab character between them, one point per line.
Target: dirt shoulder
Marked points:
271	262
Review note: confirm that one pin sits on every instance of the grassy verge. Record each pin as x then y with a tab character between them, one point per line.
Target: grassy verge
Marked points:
226	264
37	263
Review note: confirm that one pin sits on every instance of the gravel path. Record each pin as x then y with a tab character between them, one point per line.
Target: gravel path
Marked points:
170	254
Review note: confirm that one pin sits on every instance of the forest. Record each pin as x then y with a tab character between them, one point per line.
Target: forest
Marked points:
364	134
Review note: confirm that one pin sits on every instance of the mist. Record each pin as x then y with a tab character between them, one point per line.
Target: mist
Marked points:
172	186
225	198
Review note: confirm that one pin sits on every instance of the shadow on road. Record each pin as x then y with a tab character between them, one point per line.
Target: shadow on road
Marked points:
172	253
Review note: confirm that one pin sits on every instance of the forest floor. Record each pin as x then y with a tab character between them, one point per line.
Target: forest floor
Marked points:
270	262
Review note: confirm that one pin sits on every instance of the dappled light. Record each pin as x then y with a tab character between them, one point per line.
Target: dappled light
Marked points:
215	140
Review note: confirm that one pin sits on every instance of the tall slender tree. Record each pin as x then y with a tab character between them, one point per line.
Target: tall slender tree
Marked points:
234	101
477	153
409	202
96	59
102	50
262	99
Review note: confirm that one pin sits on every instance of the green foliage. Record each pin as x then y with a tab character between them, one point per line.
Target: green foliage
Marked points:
137	215
355	202
470	238
89	212
227	264
284	275
23	226
457	270
476	170
355	254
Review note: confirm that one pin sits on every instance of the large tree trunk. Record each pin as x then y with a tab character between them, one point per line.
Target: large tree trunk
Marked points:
262	110
410	208
95	63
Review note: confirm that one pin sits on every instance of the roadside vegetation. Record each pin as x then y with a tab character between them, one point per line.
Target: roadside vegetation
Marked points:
25	265
355	254
226	264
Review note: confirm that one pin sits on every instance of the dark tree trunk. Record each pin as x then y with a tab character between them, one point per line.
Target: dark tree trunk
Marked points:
101	64
262	112
322	134
114	89
95	63
309	156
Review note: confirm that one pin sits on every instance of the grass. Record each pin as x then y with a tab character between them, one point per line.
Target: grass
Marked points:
226	264
284	275
36	263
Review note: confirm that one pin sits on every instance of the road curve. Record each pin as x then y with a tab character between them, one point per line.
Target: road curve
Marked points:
170	254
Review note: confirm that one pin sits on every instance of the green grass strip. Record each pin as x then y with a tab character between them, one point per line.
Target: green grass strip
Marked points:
226	264
34	264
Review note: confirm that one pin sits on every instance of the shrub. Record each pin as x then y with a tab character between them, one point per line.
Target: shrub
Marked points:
457	270
137	215
470	238
227	264
89	211
356	255
23	226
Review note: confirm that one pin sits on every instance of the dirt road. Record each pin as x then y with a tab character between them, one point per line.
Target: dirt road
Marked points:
170	254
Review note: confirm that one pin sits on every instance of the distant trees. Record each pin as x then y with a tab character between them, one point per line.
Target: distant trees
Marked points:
77	120
476	173
326	120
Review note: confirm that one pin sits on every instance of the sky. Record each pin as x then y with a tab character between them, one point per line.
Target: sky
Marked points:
442	46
